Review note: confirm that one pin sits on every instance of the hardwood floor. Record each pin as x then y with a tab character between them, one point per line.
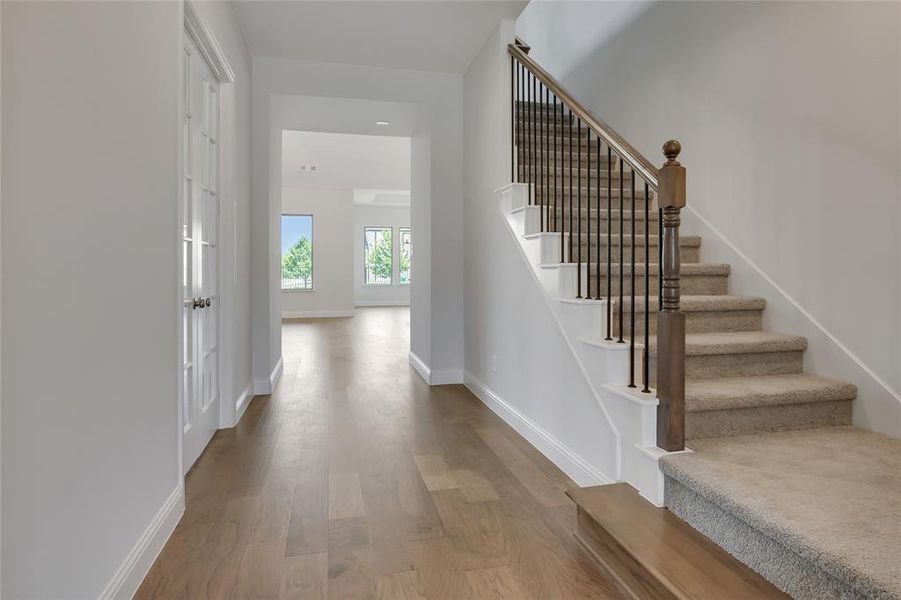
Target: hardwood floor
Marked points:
357	480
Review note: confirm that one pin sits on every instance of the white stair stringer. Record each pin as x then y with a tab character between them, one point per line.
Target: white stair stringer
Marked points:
605	365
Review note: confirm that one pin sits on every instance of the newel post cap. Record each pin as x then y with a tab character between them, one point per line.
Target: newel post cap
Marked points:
671	177
671	150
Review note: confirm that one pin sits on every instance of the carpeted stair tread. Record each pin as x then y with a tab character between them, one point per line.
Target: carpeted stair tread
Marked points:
764	390
828	495
738	342
685	241
697	303
686	269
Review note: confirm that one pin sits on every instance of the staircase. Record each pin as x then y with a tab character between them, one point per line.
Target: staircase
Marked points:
776	474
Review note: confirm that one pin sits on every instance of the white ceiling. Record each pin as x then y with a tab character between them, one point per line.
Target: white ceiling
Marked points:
343	115
377	168
430	35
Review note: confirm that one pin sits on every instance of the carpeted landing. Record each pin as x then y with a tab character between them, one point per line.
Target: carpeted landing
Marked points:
817	511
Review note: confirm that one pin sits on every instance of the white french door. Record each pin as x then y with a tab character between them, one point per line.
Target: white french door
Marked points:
199	228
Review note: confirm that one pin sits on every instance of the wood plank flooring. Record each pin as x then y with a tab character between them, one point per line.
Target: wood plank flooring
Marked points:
357	480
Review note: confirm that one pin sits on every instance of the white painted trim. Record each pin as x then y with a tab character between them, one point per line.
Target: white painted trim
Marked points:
446	377
263	387
431	377
575	467
420	367
242	404
137	563
317	314
364	303
207	45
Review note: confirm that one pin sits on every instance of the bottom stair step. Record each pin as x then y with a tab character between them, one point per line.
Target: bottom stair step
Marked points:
816	512
651	553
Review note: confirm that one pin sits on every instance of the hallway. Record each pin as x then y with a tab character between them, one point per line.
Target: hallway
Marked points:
356	480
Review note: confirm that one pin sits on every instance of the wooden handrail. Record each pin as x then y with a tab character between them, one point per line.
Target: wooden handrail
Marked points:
624	149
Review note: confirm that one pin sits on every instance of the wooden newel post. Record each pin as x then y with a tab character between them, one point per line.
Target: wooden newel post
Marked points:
670	321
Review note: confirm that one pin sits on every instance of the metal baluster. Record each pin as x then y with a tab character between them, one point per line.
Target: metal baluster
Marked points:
622	212
513	139
535	157
562	184
527	133
587	213
597	222
548	144
553	117
546	208
646	353
541	154
579	214
570	142
632	280
609	246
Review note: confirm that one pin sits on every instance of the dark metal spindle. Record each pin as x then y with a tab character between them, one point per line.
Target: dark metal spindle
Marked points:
609	246
541	154
512	118
597	222
547	134
553	117
526	134
579	214
646	353
570	142
562	183
632	279
537	149
587	213
622	212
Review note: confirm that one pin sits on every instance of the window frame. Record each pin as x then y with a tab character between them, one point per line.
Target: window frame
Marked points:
400	249
312	287
390	282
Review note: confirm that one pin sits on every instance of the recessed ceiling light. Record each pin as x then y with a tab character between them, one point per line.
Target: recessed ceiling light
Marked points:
383	122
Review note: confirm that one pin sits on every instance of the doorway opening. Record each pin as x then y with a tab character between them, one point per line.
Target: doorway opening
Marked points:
346	234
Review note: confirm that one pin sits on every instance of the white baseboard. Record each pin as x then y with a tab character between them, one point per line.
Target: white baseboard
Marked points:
242	403
446	377
364	303
435	377
134	568
420	367
575	467
262	387
317	314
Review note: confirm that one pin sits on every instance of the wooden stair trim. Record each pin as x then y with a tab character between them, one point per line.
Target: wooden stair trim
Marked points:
651	553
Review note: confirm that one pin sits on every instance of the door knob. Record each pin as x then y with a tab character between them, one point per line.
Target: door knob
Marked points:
198	303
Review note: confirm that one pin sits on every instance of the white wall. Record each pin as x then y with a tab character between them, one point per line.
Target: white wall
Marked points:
333	258
89	267
436	190
394	217
90	301
788	117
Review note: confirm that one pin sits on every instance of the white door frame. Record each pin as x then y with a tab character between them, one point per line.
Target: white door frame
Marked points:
197	30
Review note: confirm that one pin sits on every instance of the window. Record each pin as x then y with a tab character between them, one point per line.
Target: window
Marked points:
378	255
297	252
406	255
